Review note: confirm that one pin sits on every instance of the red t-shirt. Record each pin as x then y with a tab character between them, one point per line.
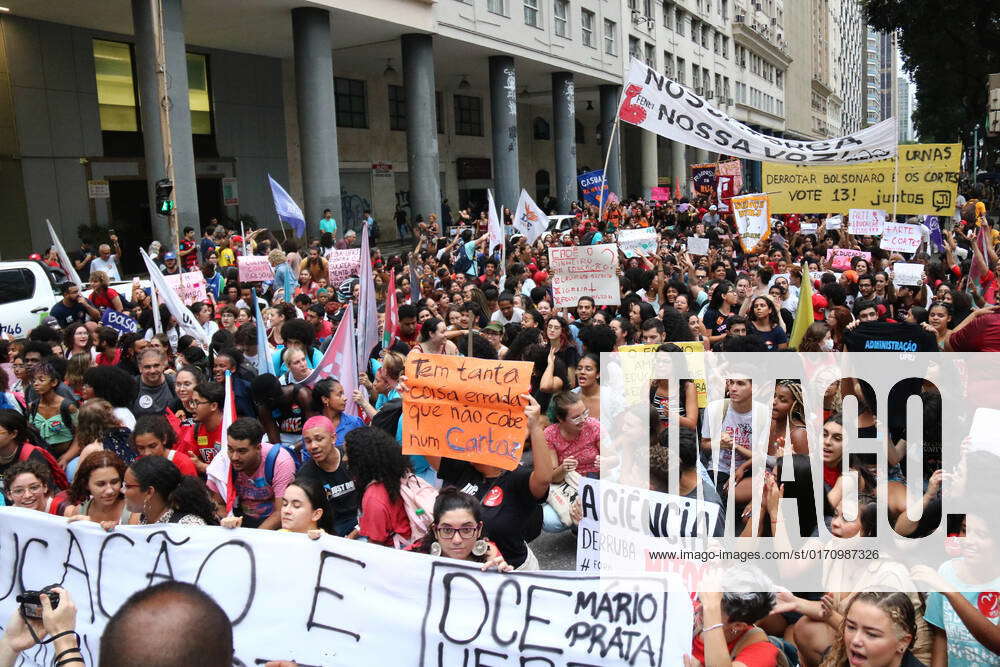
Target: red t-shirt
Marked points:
381	518
103	360
103	300
981	335
183	462
585	448
205	445
191	260
758	654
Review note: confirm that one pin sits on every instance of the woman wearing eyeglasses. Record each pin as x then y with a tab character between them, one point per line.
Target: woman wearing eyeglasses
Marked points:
458	532
576	440
28	484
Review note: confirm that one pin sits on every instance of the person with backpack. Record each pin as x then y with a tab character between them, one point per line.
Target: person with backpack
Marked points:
50	413
396	505
260	474
16	446
29	485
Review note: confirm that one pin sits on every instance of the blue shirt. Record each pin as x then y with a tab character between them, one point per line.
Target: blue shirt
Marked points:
313	358
285	280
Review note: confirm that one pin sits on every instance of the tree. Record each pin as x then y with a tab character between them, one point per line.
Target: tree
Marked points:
949	48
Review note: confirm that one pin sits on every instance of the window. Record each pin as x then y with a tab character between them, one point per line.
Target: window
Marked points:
201	110
17	284
540	129
681	76
695	75
587	27
650	55
115	86
351	103
497	7
439	108
679	21
560	12
647	5
542	185
695	29
531	12
609	38
633	47
668	16
397	108
468	116
668	64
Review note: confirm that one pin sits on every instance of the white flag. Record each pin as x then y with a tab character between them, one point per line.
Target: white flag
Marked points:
529	219
64	259
495	228
218	473
367	310
185	319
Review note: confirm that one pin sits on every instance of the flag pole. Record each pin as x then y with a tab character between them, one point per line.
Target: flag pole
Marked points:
607	157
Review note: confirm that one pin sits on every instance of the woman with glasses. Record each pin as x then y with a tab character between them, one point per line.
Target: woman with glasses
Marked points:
458	532
28	484
156	490
576	440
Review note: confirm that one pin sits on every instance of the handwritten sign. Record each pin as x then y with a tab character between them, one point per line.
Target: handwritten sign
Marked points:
809	227
254	269
839	259
659	194
865	221
753	219
333	603
342	264
907	274
697	245
639	369
585	271
834	222
465	408
120	322
643	240
900	237
190	287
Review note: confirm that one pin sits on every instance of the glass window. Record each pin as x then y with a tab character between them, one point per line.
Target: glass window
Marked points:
497	6
16	285
610	38
439	108
679	21
115	86
587	27
560	13
198	98
633	47
531	12
351	103
540	129
397	108
468	116
650	55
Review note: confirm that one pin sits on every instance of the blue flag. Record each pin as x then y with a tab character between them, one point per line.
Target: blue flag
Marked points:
935	226
264	363
286	208
591	184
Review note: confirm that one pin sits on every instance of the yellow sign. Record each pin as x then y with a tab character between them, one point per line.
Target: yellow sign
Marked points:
637	370
928	184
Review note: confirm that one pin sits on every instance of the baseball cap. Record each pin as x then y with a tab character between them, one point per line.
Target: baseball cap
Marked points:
713	207
169	255
494	327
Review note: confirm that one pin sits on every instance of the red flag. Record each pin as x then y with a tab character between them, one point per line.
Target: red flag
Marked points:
391	329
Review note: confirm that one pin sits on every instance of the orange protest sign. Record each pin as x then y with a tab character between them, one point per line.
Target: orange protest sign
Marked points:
465	408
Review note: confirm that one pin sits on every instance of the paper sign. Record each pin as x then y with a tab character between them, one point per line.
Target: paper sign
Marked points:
465	408
638	370
697	245
644	240
834	222
865	221
230	193
808	227
900	237
254	269
585	271
907	274
983	433
839	259
753	219
98	189
190	287
342	264
659	194
120	322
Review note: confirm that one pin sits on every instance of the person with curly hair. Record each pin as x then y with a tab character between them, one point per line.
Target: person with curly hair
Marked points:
159	493
113	385
98	429
879	628
96	492
379	468
28	484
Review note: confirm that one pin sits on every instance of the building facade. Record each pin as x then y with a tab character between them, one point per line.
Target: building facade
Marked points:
905	122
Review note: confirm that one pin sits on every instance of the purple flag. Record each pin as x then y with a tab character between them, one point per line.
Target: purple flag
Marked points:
935	226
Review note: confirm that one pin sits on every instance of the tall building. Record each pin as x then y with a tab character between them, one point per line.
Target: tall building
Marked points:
851	64
888	68
873	100
905	122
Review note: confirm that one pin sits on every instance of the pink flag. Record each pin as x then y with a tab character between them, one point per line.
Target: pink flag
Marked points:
391	313
219	473
367	311
339	362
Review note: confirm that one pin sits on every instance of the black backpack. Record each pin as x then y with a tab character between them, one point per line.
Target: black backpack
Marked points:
388	417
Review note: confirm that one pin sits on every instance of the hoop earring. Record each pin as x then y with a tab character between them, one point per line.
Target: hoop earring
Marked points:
435	548
480	547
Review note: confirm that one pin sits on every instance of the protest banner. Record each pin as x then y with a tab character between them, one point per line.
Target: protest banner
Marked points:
254	269
703	177
585	271
839	259
900	237
120	322
655	103
591	185
928	183
344	602
907	274
697	245
659	194
342	264
190	287
753	219
865	221
638	370
465	408
644	240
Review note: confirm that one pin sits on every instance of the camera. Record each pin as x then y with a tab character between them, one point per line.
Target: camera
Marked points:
31	603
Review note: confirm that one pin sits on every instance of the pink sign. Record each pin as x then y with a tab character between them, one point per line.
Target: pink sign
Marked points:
254	268
190	287
659	194
342	264
839	259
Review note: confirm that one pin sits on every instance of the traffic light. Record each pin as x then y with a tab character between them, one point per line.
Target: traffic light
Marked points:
164	204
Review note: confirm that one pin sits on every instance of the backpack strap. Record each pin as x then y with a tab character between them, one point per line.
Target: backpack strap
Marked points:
66	415
272	457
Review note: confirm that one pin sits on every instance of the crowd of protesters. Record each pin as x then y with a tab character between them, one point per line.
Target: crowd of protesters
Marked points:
120	428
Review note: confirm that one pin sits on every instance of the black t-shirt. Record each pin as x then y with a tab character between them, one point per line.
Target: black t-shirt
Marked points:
340	491
716	322
510	510
66	315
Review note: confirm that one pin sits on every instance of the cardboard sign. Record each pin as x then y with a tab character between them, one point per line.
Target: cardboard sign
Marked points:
638	370
345	602
643	240
753	219
254	269
190	287
342	264
464	408
907	274
230	192
659	194
585	271
808	228
865	221
900	237
697	245
834	222
839	259
120	322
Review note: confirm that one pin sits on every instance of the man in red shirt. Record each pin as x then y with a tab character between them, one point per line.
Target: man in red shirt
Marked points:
202	440
189	250
108	353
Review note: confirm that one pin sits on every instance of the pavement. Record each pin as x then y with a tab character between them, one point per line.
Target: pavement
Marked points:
555	551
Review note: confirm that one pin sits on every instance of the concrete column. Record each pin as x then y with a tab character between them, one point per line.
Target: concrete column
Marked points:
421	125
185	188
703	156
679	166
564	131
650	163
317	116
609	112
503	111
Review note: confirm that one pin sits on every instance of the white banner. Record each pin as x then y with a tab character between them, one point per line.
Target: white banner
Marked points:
753	219
910	275
900	237
64	259
340	602
644	240
495	228
697	245
655	103
185	318
585	271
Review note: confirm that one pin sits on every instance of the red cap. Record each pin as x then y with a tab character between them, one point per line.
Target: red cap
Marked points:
540	276
819	305
35	256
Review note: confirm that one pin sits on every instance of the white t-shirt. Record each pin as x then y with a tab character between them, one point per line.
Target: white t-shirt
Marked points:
739	425
515	316
110	267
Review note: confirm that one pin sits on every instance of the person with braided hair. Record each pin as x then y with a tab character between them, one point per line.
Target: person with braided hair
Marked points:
878	630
